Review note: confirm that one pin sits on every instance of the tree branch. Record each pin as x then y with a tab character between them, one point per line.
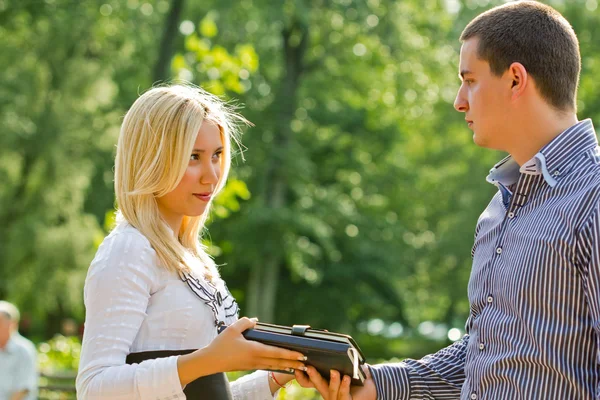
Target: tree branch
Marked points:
165	52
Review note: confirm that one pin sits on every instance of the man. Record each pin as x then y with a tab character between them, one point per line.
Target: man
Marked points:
534	292
18	370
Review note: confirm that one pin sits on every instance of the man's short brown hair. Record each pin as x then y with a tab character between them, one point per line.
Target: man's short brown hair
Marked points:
536	36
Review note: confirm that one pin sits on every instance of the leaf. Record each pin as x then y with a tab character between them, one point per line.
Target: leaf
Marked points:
208	28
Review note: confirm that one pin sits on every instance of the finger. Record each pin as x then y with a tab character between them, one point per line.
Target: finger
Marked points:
334	384
317	380
344	393
243	324
277	363
267	351
303	380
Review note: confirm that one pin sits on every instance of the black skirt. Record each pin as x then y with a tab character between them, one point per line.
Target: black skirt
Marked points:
211	387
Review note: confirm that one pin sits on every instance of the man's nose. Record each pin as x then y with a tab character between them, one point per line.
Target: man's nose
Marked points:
460	103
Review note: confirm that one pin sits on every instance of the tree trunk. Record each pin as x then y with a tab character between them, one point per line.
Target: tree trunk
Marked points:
264	274
161	68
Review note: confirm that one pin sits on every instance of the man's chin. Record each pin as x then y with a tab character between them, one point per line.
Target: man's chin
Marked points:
486	143
480	141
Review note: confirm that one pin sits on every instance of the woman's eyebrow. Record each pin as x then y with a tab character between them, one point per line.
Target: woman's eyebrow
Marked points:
202	150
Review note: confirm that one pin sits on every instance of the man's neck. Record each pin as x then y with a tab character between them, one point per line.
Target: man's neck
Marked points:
533	133
4	344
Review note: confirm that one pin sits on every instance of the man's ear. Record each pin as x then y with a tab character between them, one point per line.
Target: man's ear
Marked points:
519	79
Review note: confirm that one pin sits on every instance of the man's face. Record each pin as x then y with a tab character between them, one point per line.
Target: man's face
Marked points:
5	330
484	98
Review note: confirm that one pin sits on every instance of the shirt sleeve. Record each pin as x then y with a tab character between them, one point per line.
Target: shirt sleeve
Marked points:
116	295
26	375
436	376
254	386
589	262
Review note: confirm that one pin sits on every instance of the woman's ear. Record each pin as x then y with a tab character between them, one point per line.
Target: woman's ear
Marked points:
519	79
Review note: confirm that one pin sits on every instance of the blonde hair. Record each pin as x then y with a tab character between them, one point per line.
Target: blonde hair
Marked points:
155	143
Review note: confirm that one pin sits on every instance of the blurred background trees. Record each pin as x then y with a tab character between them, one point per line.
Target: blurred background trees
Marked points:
355	207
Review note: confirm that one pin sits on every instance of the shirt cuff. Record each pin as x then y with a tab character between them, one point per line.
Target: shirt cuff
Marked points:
264	389
391	381
254	386
159	379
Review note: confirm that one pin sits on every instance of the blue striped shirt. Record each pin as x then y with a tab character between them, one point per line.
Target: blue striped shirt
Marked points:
533	330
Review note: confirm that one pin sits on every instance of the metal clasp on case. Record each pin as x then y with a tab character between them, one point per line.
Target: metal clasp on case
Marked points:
299	330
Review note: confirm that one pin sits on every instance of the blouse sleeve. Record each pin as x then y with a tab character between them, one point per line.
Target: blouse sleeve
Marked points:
116	294
254	386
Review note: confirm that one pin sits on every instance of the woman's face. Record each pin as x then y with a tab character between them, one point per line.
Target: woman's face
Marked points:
195	190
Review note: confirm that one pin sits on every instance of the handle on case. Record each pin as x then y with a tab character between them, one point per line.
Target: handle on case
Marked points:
353	355
299	330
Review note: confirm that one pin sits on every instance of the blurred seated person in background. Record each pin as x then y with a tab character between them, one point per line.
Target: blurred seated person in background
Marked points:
18	368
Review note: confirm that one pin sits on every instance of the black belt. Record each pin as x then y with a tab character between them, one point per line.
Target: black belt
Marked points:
210	387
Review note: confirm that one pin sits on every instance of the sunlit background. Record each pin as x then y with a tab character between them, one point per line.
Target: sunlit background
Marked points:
355	207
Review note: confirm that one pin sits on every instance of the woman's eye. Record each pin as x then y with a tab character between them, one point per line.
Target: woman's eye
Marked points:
217	155
194	157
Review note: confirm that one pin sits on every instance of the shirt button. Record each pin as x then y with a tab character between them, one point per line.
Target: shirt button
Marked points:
499	250
490	299
511	215
473	396
481	346
556	173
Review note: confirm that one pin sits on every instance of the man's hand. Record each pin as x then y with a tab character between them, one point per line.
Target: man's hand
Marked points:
19	395
338	388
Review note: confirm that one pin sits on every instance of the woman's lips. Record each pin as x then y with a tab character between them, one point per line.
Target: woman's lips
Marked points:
203	196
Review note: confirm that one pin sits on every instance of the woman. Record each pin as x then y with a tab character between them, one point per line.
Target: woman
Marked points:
152	291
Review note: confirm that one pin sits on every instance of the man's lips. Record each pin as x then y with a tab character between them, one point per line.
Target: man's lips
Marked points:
203	196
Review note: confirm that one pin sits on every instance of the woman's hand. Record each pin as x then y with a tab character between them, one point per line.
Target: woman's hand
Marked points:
338	387
230	351
235	353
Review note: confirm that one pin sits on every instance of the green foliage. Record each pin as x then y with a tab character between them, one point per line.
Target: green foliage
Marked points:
296	392
229	199
292	392
361	185
67	74
361	219
213	66
59	355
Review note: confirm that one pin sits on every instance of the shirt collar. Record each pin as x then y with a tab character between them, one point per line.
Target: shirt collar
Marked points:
11	345
552	161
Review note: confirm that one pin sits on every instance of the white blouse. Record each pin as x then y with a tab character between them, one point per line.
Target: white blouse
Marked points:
134	305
